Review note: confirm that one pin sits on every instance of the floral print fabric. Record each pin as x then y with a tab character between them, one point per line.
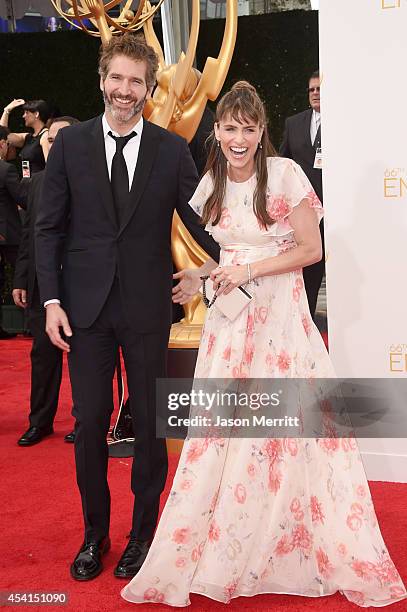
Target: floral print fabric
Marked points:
250	516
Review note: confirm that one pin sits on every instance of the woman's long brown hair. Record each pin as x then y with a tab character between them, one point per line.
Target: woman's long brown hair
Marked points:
241	103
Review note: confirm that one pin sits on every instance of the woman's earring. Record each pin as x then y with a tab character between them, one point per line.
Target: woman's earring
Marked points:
260	145
217	143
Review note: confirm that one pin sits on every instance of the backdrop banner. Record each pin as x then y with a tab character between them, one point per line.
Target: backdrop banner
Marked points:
363	46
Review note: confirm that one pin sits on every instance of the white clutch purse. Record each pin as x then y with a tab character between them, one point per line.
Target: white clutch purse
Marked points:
231	305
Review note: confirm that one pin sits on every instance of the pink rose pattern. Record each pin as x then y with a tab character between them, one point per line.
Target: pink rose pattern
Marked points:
277	206
248	516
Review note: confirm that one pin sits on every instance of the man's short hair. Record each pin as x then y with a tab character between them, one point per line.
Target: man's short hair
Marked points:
134	47
38	106
314	75
4	132
64	119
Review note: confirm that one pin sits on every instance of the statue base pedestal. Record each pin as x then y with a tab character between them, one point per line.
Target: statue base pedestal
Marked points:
185	336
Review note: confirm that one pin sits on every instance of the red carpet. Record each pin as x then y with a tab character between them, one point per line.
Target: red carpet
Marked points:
41	514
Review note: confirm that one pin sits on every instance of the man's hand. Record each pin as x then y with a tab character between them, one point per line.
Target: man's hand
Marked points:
20	297
187	287
56	318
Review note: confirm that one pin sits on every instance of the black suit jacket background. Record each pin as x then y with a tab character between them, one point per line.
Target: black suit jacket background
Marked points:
25	272
76	226
11	194
199	146
297	146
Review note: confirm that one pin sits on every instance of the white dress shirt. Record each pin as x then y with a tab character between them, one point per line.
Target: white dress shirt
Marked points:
130	151
130	154
315	123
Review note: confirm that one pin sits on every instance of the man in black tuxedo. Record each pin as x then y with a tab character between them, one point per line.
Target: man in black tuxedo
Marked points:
302	138
46	359
111	186
12	193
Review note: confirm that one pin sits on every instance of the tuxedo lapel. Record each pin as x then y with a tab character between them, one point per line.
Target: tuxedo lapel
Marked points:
147	152
98	162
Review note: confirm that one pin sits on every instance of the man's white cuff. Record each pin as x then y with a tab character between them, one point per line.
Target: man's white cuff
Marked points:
51	302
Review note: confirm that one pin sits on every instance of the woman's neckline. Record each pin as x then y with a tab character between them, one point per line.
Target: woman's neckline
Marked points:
241	182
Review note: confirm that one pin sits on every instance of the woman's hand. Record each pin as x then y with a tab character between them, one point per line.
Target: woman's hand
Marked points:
14	104
187	287
227	278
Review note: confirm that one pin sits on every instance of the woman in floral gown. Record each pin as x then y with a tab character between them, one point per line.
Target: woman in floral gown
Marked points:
249	516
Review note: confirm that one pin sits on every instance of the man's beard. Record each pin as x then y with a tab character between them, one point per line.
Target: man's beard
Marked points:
123	115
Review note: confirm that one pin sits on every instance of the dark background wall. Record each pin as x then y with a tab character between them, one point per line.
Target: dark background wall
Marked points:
276	52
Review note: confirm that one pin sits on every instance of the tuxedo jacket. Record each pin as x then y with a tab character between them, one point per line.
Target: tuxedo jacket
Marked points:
11	194
77	231
25	273
297	145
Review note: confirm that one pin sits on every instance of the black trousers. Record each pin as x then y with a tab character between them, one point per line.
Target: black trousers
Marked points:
313	276
8	254
46	369
92	361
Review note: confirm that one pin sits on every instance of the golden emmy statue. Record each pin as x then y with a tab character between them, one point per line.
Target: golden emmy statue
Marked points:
97	11
178	104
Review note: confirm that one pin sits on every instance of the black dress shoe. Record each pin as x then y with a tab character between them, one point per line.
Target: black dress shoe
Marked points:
33	435
5	335
132	559
88	562
70	437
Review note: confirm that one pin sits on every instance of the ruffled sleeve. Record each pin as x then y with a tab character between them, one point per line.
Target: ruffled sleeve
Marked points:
288	186
202	193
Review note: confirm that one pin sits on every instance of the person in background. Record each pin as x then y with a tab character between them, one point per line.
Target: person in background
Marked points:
12	194
46	359
302	143
33	145
199	143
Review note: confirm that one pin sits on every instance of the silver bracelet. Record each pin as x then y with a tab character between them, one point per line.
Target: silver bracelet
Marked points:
249	274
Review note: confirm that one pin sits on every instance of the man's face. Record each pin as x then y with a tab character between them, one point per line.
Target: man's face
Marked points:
54	129
125	89
313	93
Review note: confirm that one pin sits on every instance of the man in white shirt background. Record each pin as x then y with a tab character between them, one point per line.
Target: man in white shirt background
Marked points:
302	143
46	359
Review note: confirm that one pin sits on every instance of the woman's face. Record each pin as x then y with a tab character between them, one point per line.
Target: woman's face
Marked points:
239	142
29	118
